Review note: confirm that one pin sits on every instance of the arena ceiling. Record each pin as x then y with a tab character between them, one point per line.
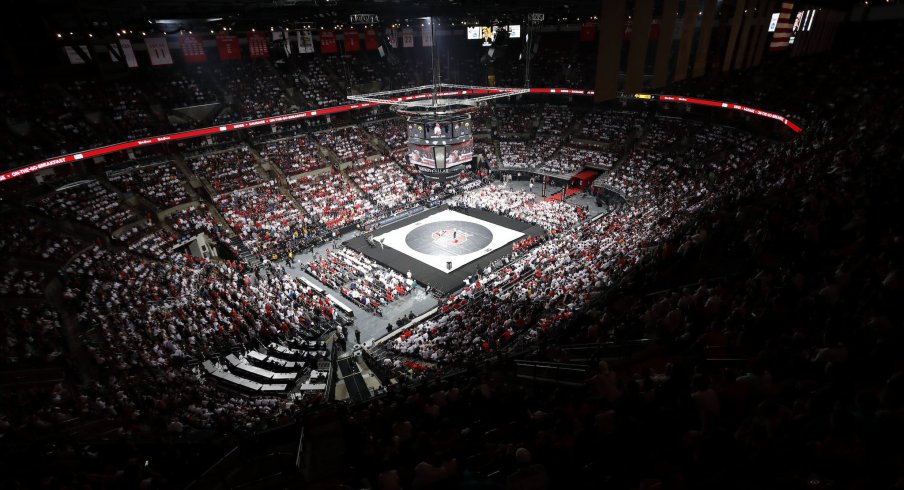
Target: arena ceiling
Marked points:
283	12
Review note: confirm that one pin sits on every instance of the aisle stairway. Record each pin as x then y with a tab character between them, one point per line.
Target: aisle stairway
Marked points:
244	253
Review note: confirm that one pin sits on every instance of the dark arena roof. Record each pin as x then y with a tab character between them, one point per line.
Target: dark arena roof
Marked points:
620	244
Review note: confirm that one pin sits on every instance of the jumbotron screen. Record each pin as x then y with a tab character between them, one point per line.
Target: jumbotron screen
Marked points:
460	153
442	156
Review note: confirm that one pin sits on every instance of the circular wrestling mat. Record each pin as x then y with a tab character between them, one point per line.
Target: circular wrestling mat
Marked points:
449	238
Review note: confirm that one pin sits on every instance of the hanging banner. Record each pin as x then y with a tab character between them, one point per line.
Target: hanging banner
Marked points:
228	46
158	51
407	37
781	38
192	48
128	53
75	56
287	44
654	30
257	45
370	40
588	31
305	42
351	41
328	41
393	36
426	36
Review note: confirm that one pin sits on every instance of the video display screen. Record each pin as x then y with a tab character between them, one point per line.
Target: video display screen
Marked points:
415	131
488	33
460	153
461	128
421	155
438	131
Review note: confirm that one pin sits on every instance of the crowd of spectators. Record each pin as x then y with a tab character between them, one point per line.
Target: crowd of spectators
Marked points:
383	182
256	88
227	170
264	218
22	283
331	201
392	131
161	183
554	216
181	88
514	119
312	82
294	155
348	143
609	127
193	220
358	278
27	237
88	202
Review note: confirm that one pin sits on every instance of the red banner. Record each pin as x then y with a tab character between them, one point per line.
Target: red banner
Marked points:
228	46
327	41
352	43
654	30
257	45
370	40
588	31
192	48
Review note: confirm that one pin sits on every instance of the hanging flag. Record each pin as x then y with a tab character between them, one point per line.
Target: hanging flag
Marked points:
588	31
370	39
351	41
393	36
128	53
782	35
192	48
158	51
257	45
228	46
78	55
654	30
328	41
426	36
407	37
115	54
305	42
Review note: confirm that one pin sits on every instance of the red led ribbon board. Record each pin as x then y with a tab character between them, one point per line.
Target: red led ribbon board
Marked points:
104	150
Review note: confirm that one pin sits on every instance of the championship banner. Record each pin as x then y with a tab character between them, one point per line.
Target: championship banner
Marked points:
228	46
654	30
77	56
426	36
305	42
782	35
352	43
158	51
370	40
257	45
128	53
393	36
192	48
407	37
588	31
328	41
